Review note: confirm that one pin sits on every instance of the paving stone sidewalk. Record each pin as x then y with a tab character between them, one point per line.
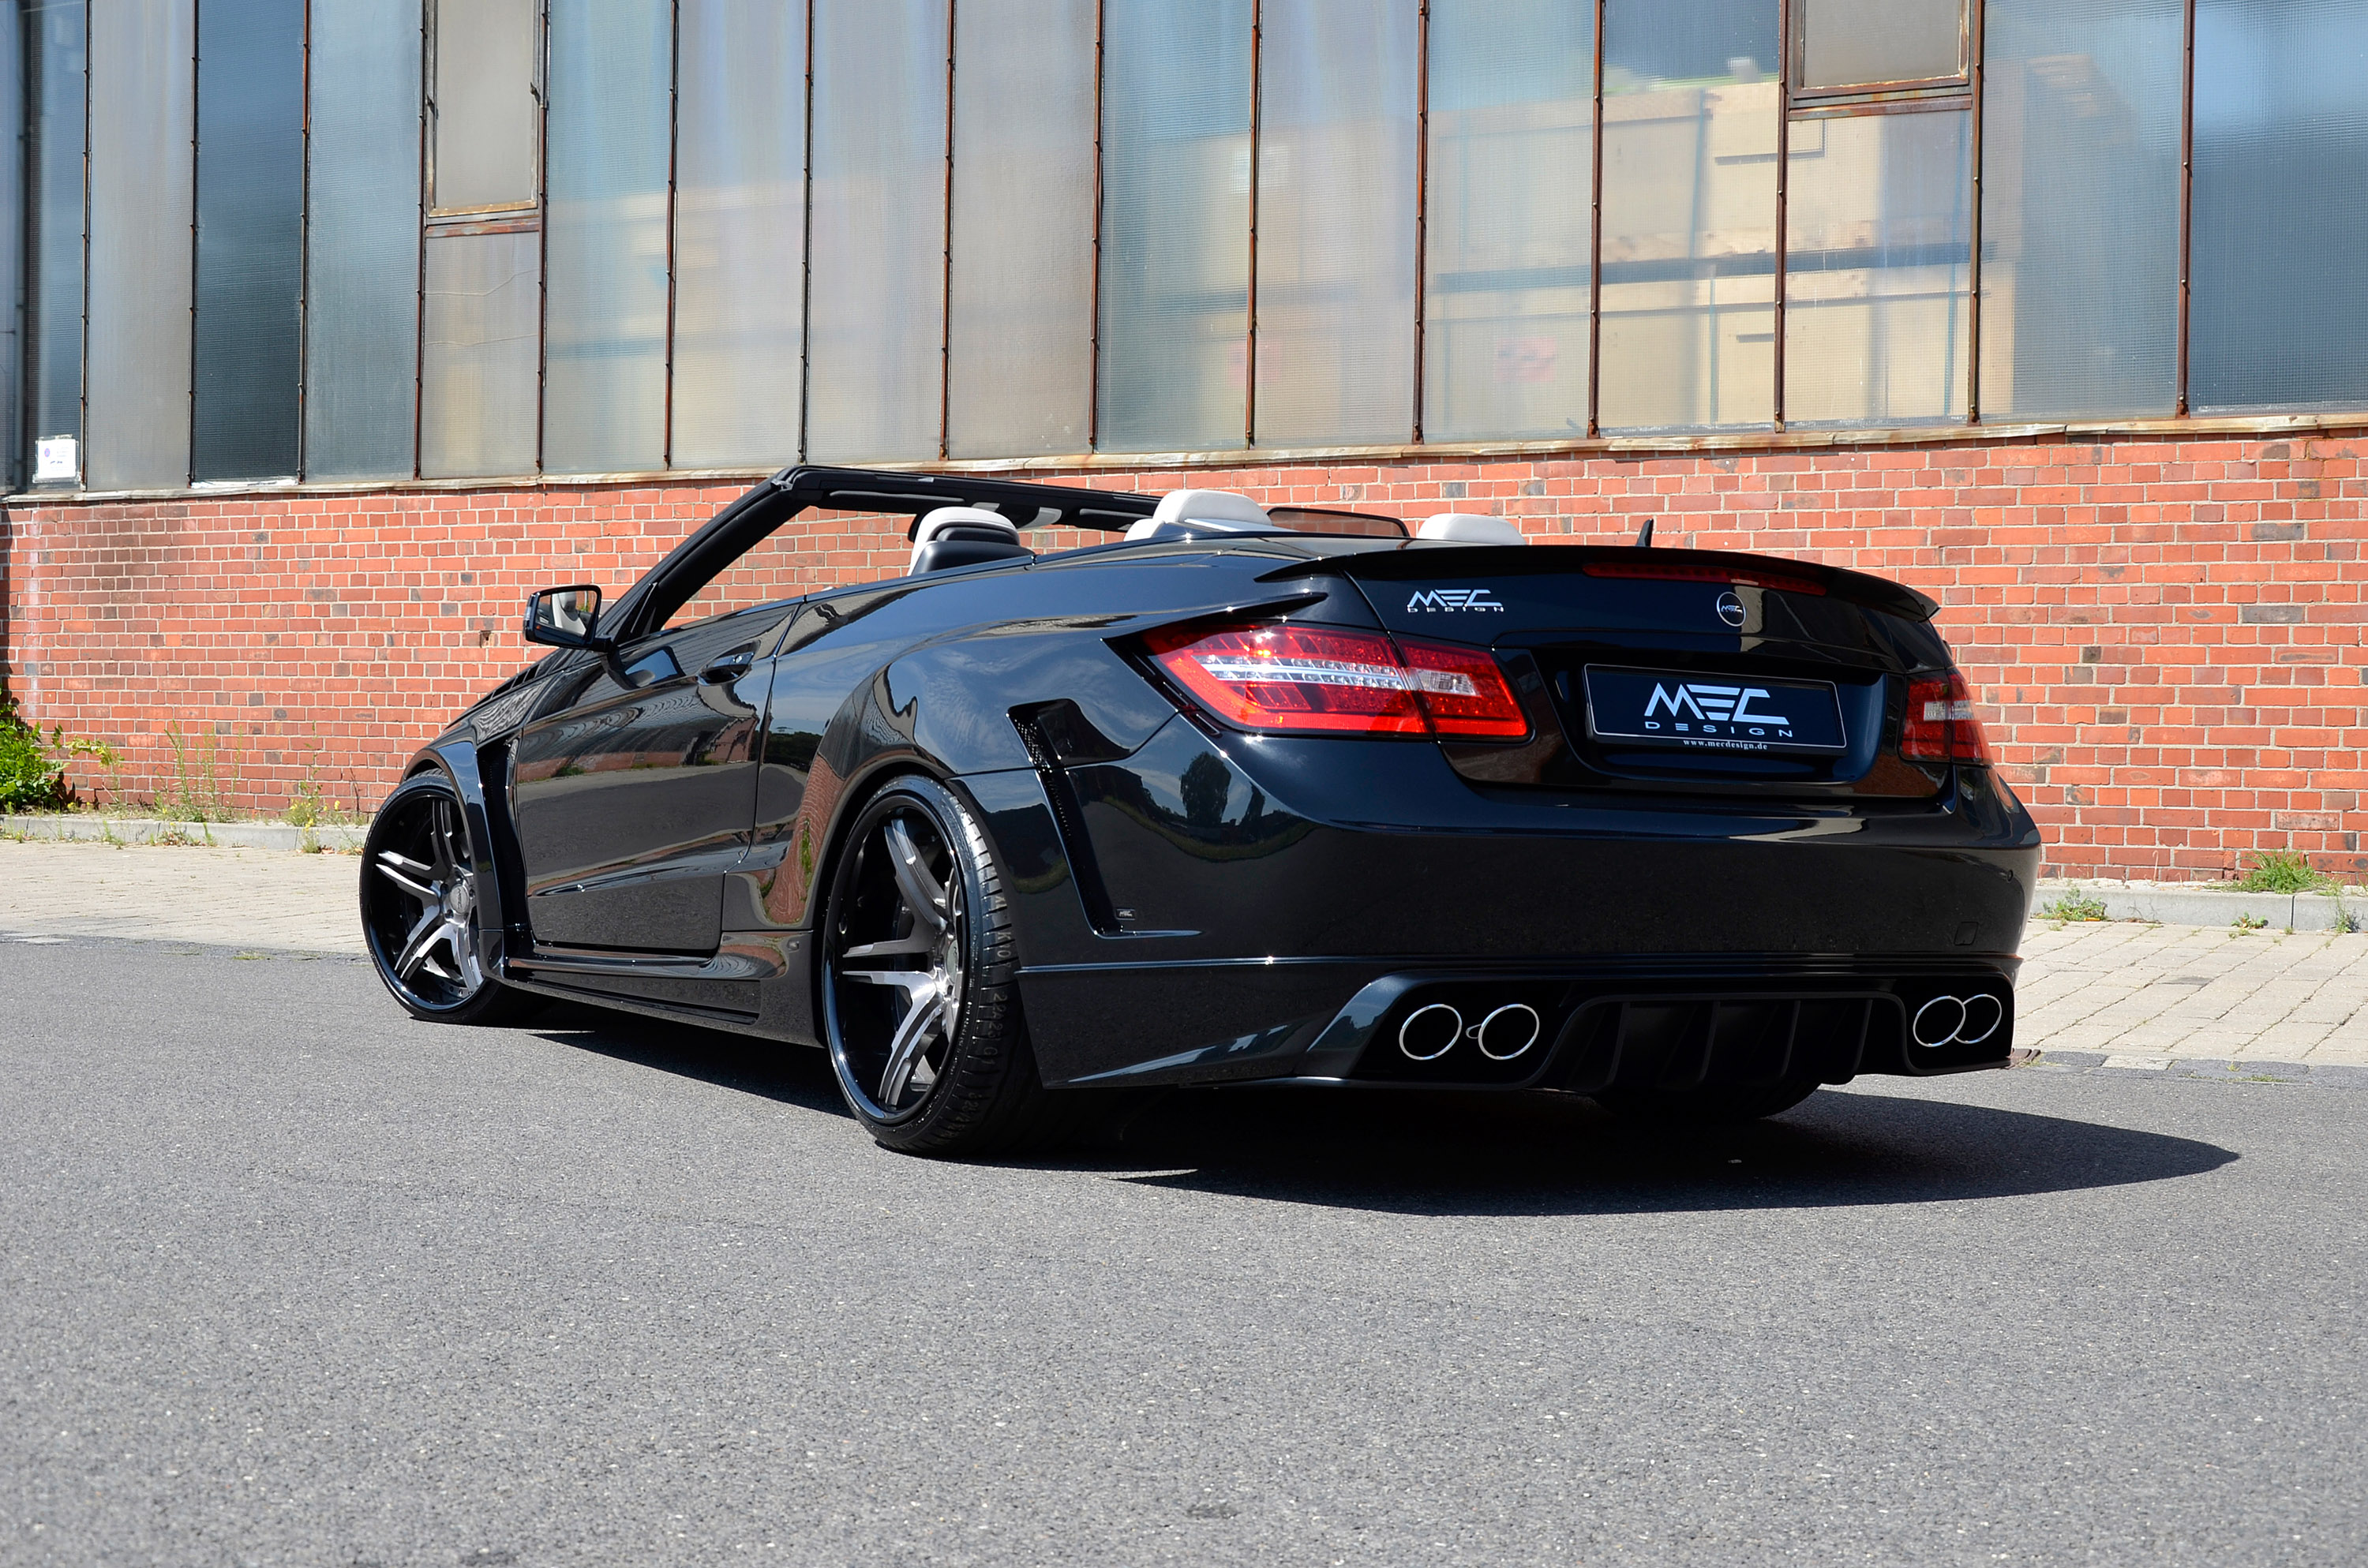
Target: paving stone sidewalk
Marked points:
2140	995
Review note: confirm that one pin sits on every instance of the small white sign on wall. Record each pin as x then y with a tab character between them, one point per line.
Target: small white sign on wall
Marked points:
56	457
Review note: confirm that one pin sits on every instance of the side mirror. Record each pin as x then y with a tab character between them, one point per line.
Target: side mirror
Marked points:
565	617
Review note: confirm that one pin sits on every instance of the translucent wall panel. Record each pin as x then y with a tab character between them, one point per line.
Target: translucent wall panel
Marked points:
1336	252
143	104
605	270
486	116
2277	313
877	289
1690	118
361	315
2080	207
13	172
739	346
1508	229
477	413
1876	270
1176	240
1020	359
54	124
250	238
1849	43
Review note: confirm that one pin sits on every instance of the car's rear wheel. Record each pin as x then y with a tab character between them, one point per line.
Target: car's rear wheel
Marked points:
920	1000
422	909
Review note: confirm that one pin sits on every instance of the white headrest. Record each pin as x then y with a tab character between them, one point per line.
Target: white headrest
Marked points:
1222	510
1469	527
934	523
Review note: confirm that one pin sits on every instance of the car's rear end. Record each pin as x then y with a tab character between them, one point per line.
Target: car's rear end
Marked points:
1606	819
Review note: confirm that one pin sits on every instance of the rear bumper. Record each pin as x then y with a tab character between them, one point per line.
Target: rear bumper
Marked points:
1180	919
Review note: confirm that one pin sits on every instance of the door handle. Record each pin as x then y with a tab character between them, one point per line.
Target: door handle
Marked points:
732	667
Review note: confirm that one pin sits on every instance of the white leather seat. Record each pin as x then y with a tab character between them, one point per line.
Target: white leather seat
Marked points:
1219	511
932	524
1469	527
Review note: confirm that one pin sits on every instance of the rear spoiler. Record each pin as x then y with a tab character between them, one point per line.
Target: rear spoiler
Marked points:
1420	560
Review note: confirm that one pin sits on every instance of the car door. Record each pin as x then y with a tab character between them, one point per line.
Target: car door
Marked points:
635	796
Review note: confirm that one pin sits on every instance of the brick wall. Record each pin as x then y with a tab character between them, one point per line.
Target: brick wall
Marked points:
2166	633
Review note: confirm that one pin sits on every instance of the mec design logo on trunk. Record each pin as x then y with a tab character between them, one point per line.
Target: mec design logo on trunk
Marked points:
1710	705
1455	598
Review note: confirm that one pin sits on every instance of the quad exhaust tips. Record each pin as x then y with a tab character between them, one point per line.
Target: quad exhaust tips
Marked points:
1430	1032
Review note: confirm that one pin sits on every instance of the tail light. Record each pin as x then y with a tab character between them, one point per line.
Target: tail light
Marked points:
1941	724
1306	679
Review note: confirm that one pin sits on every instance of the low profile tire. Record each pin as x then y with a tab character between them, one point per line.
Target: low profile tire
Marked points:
421	911
920	999
1706	1107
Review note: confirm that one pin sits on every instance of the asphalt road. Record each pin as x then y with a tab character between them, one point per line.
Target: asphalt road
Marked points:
290	1279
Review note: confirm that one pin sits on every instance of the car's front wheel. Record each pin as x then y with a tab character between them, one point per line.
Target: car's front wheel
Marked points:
422	909
920	999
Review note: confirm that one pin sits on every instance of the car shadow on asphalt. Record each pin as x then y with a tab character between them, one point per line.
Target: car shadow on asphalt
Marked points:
1530	1154
1414	1152
792	1074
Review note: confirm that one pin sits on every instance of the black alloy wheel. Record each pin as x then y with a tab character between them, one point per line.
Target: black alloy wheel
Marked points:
921	1001
421	908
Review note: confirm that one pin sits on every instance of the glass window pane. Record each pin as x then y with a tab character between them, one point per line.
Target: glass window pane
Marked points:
55	122
361	280
739	346
605	280
2277	312
1878	246
2080	207
1689	118
1019	356
142	103
485	112
1176	216
1336	138
1508	226
478	396
250	237
1852	43
878	281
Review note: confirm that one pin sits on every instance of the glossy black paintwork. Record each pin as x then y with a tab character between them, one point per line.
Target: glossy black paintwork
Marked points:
1193	903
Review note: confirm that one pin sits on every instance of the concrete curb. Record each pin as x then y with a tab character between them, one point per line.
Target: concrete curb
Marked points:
148	830
2171	904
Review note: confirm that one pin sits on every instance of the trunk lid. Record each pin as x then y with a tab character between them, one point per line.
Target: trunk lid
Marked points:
1673	671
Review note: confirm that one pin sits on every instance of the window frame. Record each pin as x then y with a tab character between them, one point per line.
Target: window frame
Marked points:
1876	98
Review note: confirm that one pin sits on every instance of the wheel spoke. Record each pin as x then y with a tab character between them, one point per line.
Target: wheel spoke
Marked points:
398	871
910	980
918	942
922	894
416	944
928	1009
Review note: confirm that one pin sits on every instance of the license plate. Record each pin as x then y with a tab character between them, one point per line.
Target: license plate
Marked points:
1714	713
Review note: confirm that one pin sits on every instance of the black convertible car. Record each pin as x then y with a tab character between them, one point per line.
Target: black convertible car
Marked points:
1230	796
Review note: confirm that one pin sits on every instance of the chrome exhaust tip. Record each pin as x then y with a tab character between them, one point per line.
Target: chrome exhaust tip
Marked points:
1508	1032
1429	1033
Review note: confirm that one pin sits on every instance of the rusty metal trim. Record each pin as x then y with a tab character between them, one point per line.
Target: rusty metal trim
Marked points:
1094	327
1957	102
1421	202
2186	195
1783	194
1595	244
946	280
1976	11
1249	335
